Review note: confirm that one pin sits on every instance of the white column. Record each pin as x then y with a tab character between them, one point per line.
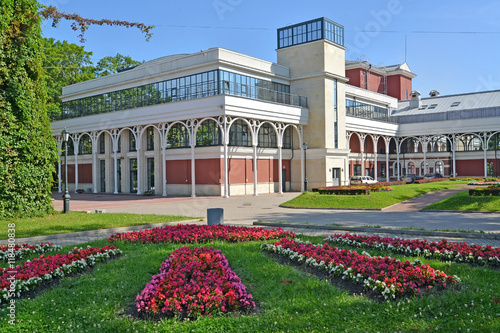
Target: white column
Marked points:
59	180
453	148
387	172
280	169
94	168
139	172
193	170
115	161
164	169
375	165
255	170
362	160
76	168
226	172
485	160
397	164
302	172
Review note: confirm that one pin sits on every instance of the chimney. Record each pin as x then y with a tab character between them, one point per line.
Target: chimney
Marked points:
415	101
434	93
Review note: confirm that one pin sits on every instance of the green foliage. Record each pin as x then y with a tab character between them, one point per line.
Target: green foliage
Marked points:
111	65
27	148
64	64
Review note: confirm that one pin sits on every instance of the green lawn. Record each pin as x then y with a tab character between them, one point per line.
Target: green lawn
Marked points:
288	300
376	200
59	223
462	201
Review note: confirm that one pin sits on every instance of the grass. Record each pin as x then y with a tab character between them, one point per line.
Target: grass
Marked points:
59	223
376	200
288	300
462	201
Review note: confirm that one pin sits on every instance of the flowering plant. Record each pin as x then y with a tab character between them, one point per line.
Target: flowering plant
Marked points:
388	276
380	188
25	277
18	251
192	233
149	192
193	283
442	250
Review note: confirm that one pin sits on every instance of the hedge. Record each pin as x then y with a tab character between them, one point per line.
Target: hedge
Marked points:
27	149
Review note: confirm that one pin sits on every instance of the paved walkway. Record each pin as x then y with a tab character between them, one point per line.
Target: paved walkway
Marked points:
245	210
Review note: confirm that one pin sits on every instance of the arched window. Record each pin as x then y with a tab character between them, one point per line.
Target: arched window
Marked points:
469	142
85	146
131	141
239	135
150	138
208	134
439	168
178	136
287	138
267	136
71	147
411	168
494	143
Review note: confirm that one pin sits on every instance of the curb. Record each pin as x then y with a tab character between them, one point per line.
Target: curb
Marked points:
97	232
459	211
330	208
446	234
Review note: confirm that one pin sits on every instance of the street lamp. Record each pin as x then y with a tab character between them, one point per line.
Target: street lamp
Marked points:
66	196
305	165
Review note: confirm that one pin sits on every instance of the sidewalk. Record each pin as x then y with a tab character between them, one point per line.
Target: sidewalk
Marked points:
394	221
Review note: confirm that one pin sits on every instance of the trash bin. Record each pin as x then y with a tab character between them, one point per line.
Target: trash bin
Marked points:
215	216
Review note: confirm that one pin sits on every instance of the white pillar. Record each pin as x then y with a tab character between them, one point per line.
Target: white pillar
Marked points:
139	173
115	162
193	170
76	169
485	160
375	165
362	160
280	168
59	180
164	169
226	173
255	170
94	168
453	147
302	172
397	164
387	173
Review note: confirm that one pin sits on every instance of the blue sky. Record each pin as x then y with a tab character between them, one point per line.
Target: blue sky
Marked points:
452	46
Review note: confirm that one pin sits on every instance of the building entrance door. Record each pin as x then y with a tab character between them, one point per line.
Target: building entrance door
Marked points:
336	176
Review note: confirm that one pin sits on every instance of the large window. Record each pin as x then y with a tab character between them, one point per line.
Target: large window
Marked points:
287	138
309	31
267	136
208	134
469	143
150	138
85	146
183	88
366	111
102	143
131	141
178	136
239	134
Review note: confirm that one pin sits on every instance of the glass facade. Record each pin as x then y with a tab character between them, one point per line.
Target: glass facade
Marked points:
321	28
267	137
239	135
208	134
194	86
366	111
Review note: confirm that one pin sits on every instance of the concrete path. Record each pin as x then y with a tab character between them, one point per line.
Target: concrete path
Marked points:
418	203
245	210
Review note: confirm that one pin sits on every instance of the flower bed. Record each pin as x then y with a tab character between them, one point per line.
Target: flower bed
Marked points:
16	280
442	250
351	190
388	276
430	180
493	190
192	233
193	283
17	251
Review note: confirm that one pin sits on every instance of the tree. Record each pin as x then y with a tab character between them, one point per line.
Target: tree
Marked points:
64	64
27	148
111	65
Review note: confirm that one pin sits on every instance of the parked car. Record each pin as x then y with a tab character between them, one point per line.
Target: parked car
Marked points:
363	180
410	178
433	175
